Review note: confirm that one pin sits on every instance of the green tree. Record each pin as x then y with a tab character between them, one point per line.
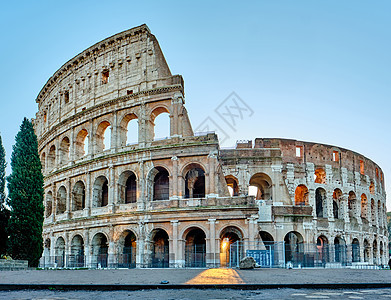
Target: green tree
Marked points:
25	192
4	211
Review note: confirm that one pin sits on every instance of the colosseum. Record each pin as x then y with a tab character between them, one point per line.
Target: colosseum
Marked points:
117	196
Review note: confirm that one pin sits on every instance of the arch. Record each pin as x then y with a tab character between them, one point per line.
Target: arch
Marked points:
78	196
320	202
340	250
76	259
127	250
46	252
100	192
61	200
129	130
266	237
372	188
355	250
374	251
64	151
367	250
320	176
364	206
127	187
49	204
161	184
59	252
228	236
261	186
51	160
322	244
373	211
294	248
233	185
194	181
103	136
43	161
81	144
195	248
352	204
301	195
160	118
160	249
379	213
337	205
100	248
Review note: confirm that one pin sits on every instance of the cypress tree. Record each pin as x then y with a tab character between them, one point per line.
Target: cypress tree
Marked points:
4	211
25	188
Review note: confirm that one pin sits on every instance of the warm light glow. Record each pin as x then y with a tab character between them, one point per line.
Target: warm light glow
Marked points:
217	276
252	190
225	243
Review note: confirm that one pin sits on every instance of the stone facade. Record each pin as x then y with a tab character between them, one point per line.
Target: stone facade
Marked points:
122	198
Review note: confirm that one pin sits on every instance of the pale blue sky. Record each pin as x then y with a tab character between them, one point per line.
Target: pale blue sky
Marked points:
310	70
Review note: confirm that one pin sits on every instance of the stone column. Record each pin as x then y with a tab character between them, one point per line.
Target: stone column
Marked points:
111	201
88	195
212	255
174	255
111	259
87	249
114	133
175	190
67	250
72	147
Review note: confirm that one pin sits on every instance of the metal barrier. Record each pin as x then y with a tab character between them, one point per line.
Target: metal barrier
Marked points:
195	256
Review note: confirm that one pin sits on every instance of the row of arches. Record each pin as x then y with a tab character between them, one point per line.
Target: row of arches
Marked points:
158	189
105	137
259	186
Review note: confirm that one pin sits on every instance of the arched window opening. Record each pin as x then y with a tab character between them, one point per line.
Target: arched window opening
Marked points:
101	192
375	252
78	196
160	118
99	251
337	205
373	211
127	188
103	136
64	151
294	248
229	236
320	176
352	205
379	214
372	188
76	259
81	147
195	183
195	249
367	250
322	244
260	187
127	257
233	186
161	184
46	253
52	158
160	250
320	200
355	250
364	206
43	161
61	200
128	130
301	195
266	237
49	204
59	259
340	250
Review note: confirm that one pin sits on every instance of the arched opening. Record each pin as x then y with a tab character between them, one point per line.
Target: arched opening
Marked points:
127	257
46	253
266	237
81	145
340	250
322	244
64	151
373	211
229	255
381	252
43	161
337	204
364	206
101	192
233	186
260	187
160	249
379	215
160	118
59	250
301	195
128	187
195	182
367	250
78	196
195	249
320	202
51	158
355	250
103	137
49	204
99	251
161	184
320	176
374	252
294	248
372	188
76	259
352	204
61	200
129	130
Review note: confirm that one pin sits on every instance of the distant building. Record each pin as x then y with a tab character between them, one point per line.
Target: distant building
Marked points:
116	196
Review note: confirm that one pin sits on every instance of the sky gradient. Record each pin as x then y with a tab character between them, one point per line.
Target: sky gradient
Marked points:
310	70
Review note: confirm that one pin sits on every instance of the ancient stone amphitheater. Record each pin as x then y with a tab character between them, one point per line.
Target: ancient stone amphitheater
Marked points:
116	196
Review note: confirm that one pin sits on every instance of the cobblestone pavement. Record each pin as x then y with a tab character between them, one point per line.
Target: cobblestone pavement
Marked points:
200	294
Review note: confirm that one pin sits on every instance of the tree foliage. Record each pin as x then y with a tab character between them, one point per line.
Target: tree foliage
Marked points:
4	211
25	188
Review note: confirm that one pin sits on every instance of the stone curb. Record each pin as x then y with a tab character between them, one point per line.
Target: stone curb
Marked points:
136	287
